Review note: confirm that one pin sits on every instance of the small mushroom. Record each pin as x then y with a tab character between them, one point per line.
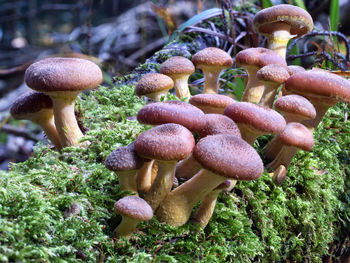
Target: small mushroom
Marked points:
212	61
279	175
211	103
38	108
63	79
179	70
133	210
154	86
280	23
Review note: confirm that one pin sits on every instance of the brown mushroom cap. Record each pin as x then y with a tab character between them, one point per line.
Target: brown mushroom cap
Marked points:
212	57
319	84
153	82
256	118
134	207
272	73
297	135
63	74
29	103
219	124
177	66
258	57
167	142
229	156
211	100
172	112
292	69
299	20
124	159
296	105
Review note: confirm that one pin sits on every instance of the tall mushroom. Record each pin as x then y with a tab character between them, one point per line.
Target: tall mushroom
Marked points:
280	23
212	61
179	69
37	107
63	79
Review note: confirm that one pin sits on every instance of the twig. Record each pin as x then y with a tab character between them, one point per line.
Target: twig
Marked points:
19	132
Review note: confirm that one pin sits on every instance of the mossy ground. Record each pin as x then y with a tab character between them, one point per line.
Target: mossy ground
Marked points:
258	221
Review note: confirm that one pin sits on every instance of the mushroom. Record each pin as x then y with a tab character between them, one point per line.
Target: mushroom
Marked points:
222	156
279	175
322	88
133	210
167	143
294	108
212	61
154	86
207	206
211	103
295	136
253	59
37	107
125	163
292	69
255	120
280	23
63	79
272	76
215	124
179	70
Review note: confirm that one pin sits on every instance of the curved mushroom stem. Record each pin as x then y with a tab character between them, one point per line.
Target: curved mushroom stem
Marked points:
279	39
126	227
144	177
269	95
272	148
181	88
65	121
158	95
284	158
128	181
162	184
176	208
279	175
247	135
47	124
321	109
187	168
254	88
211	84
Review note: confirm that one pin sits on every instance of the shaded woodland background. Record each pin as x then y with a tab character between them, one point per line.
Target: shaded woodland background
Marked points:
116	34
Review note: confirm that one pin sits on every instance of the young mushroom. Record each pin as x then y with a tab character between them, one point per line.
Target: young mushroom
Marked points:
125	163
63	79
222	156
212	61
154	86
179	70
37	107
211	103
133	210
280	23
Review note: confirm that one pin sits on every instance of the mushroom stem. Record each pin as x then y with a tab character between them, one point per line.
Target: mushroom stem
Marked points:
162	184
47	124
65	121
128	181
126	227
321	109
269	95
248	136
279	39
187	168
284	157
181	88
176	208
144	177
254	88
211	80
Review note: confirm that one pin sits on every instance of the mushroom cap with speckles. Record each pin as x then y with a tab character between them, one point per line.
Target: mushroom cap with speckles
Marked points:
63	74
212	57
167	142
177	66
211	100
256	118
219	124
153	82
258	57
319	84
272	73
299	20
124	159
297	135
296	105
134	207
292	69
172	112
30	103
229	156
